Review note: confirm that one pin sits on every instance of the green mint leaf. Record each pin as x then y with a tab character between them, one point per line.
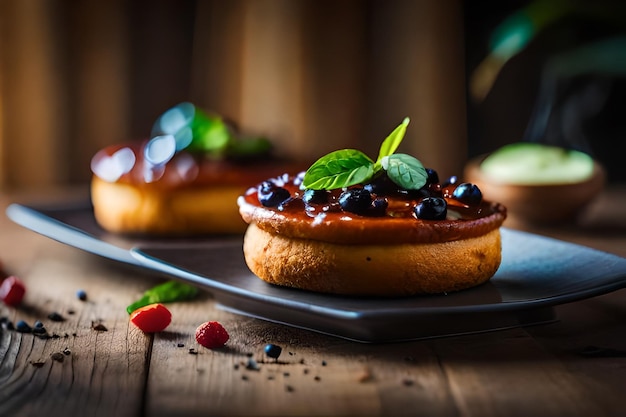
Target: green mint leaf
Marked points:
210	133
391	143
405	171
339	169
166	292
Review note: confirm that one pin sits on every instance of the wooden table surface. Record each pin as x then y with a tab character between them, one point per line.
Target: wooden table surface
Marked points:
573	367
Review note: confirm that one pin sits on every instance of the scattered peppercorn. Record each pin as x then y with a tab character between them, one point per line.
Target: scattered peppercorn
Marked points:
273	351
57	356
23	327
180	345
37	364
192	351
67	351
252	365
97	327
54	316
39	330
81	295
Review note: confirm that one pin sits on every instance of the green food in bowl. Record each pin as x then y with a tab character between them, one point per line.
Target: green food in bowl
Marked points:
535	163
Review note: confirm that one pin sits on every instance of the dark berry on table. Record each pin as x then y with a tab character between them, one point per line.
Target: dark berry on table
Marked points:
433	177
273	351
271	195
355	200
81	295
23	327
431	208
315	196
467	193
38	324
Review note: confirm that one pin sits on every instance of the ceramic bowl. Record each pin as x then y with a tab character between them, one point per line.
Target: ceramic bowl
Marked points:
537	204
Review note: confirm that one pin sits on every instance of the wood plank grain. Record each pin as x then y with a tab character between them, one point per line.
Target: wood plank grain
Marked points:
508	373
78	370
315	375
589	339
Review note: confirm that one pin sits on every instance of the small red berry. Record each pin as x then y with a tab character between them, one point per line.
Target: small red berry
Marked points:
12	291
152	318
211	335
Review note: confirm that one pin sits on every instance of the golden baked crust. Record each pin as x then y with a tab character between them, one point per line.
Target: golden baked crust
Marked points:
373	269
126	208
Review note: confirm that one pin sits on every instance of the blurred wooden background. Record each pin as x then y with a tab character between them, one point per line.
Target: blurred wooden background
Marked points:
313	75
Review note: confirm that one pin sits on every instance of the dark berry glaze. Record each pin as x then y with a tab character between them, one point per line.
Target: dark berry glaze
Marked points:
373	213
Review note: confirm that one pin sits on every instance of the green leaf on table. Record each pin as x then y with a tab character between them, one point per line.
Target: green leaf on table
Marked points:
339	169
166	292
405	171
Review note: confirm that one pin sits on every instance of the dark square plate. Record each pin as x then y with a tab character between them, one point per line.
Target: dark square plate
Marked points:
536	274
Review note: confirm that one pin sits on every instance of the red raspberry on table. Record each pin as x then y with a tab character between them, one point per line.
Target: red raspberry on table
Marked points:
211	335
152	318
12	291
